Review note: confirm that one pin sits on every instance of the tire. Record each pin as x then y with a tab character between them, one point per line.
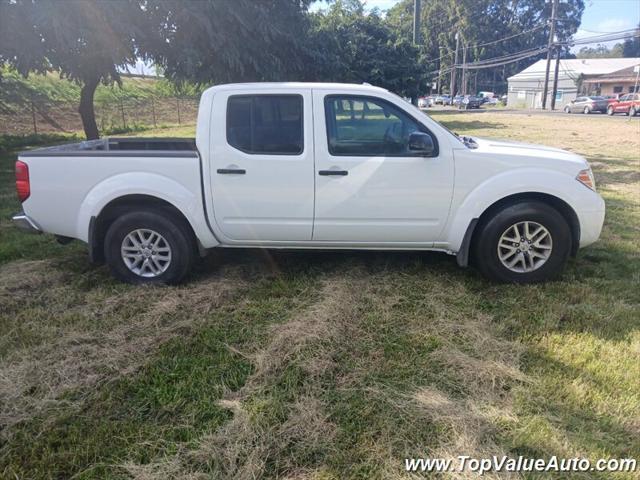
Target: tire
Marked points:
567	109
632	112
586	110
175	236
492	232
610	111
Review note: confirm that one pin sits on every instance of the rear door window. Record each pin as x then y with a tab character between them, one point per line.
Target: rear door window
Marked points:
265	124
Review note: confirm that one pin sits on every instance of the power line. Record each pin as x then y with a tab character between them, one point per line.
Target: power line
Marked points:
490	43
506	38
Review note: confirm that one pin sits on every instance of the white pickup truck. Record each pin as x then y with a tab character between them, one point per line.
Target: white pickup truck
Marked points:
312	165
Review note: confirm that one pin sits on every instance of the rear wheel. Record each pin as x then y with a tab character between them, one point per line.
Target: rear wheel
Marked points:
586	110
567	109
525	242
149	246
610	111
632	112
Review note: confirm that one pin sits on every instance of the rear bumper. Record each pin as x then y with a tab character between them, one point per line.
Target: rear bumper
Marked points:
25	223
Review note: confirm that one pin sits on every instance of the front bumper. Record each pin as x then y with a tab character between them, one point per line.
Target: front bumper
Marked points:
25	223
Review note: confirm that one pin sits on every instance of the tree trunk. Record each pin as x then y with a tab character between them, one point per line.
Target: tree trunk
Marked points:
86	111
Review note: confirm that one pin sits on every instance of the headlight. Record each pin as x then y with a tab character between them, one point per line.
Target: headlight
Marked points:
586	178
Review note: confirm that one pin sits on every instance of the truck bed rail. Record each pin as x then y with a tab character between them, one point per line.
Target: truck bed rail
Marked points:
121	147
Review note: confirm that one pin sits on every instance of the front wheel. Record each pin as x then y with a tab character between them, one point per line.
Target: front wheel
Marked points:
149	246
632	112
587	110
567	109
610	111
525	242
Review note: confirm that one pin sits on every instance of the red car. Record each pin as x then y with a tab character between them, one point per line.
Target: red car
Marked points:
629	104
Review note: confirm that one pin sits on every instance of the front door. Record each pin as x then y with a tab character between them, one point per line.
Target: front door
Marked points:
262	156
370	188
623	104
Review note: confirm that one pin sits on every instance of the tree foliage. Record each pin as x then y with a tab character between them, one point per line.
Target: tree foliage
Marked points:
481	23
345	44
601	51
227	40
631	46
86	41
215	41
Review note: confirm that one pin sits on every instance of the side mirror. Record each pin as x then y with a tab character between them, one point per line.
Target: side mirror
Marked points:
421	142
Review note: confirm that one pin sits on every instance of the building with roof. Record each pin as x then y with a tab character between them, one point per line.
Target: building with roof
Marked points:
597	76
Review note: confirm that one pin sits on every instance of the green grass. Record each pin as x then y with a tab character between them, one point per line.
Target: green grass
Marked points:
324	365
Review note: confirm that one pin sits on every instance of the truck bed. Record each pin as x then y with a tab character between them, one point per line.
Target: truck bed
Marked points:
126	146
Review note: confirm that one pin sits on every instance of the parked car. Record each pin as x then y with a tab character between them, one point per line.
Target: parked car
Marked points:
442	99
311	166
456	101
629	104
423	102
587	105
469	101
613	97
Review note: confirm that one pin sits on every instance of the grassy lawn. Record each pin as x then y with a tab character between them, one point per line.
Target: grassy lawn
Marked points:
325	365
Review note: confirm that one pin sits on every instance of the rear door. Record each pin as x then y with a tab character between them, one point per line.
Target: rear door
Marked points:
262	157
370	189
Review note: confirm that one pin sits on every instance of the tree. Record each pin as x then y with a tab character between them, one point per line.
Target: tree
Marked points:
346	44
481	23
228	40
601	51
85	41
631	46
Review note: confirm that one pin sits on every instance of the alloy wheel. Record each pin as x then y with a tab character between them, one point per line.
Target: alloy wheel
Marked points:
146	253
524	247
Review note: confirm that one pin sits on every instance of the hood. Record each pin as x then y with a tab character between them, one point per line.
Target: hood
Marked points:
524	151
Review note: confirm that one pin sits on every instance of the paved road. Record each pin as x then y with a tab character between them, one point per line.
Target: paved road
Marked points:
519	111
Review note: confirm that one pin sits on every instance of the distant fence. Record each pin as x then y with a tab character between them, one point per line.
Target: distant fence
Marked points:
38	117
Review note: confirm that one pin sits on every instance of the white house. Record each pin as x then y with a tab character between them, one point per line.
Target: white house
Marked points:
575	76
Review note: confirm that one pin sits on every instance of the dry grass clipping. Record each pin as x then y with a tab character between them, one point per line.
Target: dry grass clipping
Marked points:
33	378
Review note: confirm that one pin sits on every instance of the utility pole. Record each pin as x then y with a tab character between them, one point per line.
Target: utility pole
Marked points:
416	34
555	78
552	31
416	22
464	69
454	67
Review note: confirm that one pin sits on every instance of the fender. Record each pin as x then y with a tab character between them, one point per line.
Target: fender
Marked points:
550	182
139	183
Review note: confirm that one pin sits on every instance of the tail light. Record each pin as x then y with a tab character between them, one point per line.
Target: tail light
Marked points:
22	181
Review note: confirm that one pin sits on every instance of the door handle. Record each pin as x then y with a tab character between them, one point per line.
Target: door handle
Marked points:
227	171
326	173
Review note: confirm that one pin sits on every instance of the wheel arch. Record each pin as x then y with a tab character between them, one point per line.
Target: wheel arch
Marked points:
558	204
100	223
